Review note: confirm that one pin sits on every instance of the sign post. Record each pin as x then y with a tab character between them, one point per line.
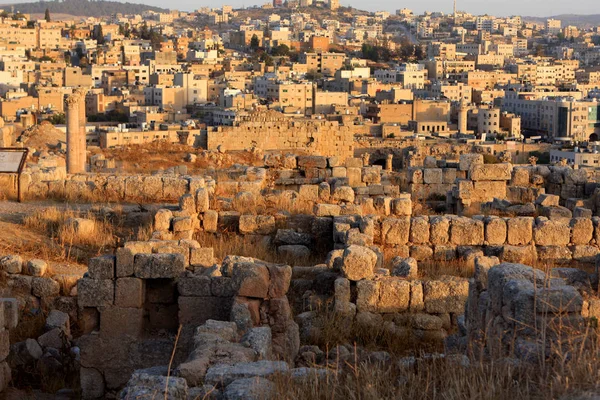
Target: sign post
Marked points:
12	161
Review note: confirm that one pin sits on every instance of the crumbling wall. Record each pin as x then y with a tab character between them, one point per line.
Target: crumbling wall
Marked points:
517	311
319	137
131	301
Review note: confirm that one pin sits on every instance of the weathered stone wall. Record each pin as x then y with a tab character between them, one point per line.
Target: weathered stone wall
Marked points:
129	301
318	137
517	311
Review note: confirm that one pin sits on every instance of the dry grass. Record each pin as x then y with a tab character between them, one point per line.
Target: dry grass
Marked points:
568	369
67	243
259	247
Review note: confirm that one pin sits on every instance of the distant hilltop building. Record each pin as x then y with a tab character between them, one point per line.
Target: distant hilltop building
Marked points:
334	4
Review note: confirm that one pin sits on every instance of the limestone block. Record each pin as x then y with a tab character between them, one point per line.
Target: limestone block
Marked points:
129	292
466	160
251	280
324	192
383	205
484	191
343	194
440	230
520	177
432	175
554	254
102	267
44	287
308	192
419	230
11	264
210	221
124	262
416	296
490	172
367	295
9	309
444	253
153	266
120	321
394	295
182	224
327	210
582	230
354	176
187	203
358	262
194	285
466	232
551	233
36	267
202	257
520	230
371	175
447	295
202	200
495	231
338	172
448	175
519	254
312	162
585	253
402	207
162	220
95	293
395	231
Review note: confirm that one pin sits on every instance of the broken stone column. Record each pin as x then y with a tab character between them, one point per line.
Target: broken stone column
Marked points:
388	162
81	92
74	164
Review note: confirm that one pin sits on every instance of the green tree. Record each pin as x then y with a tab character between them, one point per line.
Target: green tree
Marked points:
47	15
254	42
99	35
281	50
57	119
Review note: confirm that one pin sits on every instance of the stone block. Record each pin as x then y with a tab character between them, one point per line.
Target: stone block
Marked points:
202	257
466	232
44	287
194	285
124	262
358	263
432	176
495	231
102	267
402	207
582	230
95	292
448	175
419	230
395	231
120	321
490	172
445	296
210	221
153	266
129	292
519	254
469	159
439	233
251	280
394	295
308	192
551	233
327	210
520	230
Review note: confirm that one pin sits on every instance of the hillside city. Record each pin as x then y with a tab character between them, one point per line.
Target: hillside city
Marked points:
298	200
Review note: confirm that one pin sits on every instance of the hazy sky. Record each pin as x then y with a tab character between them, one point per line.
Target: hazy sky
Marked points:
539	8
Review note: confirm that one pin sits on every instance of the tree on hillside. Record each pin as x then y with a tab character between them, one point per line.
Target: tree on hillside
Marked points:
254	42
47	15
99	35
